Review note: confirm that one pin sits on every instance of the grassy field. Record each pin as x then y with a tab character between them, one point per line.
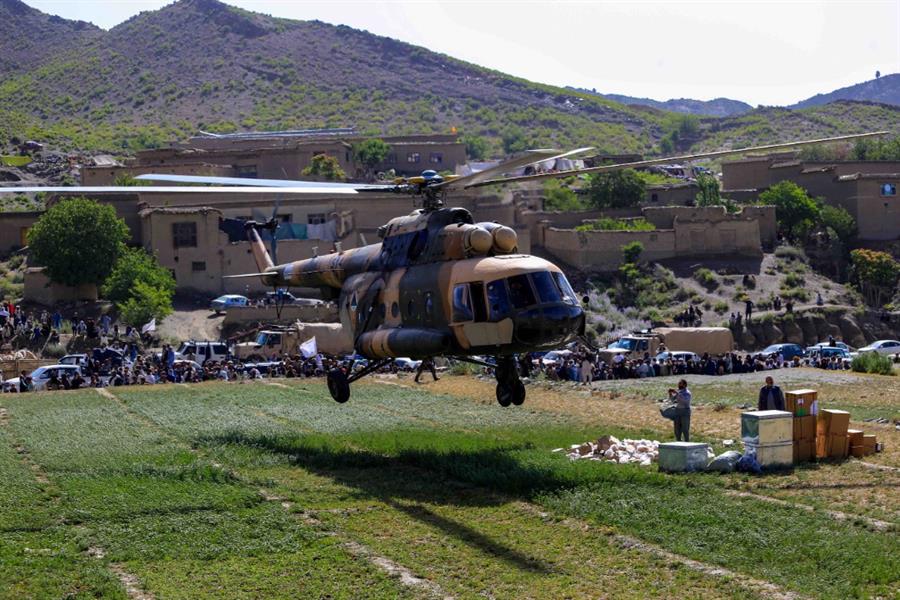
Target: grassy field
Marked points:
271	490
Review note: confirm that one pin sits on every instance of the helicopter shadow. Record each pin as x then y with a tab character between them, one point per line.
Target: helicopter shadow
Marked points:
414	482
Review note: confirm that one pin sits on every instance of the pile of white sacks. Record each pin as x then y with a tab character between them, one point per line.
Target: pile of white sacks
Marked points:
611	449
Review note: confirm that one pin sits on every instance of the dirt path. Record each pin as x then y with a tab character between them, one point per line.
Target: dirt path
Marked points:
193	324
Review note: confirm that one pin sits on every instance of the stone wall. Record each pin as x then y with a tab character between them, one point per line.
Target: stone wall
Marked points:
39	289
13	229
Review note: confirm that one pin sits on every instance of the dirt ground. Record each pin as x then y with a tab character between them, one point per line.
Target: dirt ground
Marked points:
192	324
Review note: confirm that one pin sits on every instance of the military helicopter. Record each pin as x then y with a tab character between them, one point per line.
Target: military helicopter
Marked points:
438	283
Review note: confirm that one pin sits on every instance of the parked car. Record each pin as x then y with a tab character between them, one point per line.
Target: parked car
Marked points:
554	358
817	352
788	351
678	355
286	298
828	345
886	347
227	301
40	377
74	359
202	351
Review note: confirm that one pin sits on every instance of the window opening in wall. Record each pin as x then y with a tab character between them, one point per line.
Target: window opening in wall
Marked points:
184	235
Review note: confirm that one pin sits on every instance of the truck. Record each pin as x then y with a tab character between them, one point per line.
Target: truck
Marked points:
278	341
712	340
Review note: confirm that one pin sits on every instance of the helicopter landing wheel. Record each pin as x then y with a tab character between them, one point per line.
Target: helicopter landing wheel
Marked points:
338	386
504	394
518	393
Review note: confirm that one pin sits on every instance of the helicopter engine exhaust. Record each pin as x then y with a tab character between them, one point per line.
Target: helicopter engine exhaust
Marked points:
411	342
504	239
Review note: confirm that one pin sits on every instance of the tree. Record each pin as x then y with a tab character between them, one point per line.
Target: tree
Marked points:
514	140
146	303
709	191
838	219
133	266
875	273
324	167
616	189
876	149
795	211
78	241
560	197
476	147
631	252
370	153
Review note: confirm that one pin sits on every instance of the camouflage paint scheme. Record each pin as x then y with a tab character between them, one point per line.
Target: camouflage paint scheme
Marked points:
396	297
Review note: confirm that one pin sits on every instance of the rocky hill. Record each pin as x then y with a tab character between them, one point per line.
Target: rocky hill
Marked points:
194	64
717	107
885	90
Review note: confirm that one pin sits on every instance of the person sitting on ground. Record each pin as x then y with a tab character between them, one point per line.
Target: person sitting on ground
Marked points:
770	396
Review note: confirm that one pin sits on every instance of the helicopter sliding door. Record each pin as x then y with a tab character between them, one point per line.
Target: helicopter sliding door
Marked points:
472	317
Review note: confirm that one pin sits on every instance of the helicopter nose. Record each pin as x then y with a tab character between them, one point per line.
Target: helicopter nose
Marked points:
549	325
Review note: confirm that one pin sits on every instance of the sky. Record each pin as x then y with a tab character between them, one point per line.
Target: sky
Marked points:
763	52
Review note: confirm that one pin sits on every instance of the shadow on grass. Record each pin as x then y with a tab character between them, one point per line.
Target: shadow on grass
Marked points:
407	478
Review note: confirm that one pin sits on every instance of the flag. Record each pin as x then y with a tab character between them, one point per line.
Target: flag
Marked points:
308	348
151	326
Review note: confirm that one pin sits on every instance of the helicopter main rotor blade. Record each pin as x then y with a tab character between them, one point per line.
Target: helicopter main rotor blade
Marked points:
530	158
669	159
174	189
248	182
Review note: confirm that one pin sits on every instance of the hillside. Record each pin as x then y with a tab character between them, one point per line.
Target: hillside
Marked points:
885	90
717	107
164	74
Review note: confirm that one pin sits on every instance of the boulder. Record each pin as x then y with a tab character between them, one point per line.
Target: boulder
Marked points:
850	331
792	332
807	324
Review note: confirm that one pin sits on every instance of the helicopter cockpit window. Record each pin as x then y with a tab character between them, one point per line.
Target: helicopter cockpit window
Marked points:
546	288
520	292
568	294
462	303
498	300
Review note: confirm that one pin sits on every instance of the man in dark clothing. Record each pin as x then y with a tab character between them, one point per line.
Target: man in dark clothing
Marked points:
427	363
770	396
748	309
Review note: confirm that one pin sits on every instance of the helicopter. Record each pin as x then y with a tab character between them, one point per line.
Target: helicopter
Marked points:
438	283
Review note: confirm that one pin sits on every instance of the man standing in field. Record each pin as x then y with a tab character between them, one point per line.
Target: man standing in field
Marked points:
770	396
682	397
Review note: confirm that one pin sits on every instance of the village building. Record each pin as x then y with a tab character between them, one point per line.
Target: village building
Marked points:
866	189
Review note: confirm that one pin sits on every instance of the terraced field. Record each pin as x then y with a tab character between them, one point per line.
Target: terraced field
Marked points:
271	490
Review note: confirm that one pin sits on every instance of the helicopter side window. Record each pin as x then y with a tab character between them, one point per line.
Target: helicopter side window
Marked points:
568	294
546	289
462	303
498	300
395	309
429	304
520	292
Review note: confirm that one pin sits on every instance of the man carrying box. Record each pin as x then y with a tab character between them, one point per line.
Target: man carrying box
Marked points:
770	396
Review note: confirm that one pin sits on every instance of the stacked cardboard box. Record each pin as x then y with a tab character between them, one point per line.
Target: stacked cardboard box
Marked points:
832	440
803	404
768	433
860	443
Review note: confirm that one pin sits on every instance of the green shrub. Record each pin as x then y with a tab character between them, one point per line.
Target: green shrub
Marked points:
463	368
872	362
790	253
609	224
721	307
55	351
794	294
706	278
792	280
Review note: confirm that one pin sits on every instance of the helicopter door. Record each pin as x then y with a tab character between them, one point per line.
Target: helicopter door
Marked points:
472	324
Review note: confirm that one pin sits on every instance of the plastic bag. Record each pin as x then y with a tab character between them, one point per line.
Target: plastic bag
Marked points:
749	464
725	462
669	410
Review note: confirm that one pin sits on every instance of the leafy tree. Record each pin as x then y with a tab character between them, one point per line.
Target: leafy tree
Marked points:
370	153
514	140
838	219
476	147
709	191
126	179
616	189
876	149
78	241
146	303
133	266
875	273
631	252
325	167
560	197
795	211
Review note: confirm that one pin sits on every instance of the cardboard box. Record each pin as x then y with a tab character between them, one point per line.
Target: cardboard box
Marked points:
838	446
799	402
766	427
805	428
804	451
855	436
857	451
869	441
833	422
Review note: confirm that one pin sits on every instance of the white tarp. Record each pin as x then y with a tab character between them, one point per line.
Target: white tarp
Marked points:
308	348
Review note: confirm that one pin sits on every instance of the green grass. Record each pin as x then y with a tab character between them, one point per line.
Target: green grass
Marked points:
168	482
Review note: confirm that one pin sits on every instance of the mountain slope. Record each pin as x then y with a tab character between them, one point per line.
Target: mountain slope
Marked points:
717	107
162	75
885	90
